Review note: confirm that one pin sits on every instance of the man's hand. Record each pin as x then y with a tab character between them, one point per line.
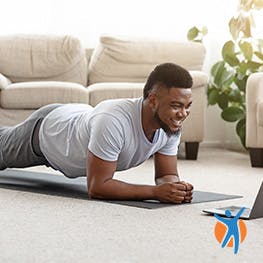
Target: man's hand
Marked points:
189	192
169	188
174	192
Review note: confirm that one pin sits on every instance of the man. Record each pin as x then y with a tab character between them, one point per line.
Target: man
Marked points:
80	140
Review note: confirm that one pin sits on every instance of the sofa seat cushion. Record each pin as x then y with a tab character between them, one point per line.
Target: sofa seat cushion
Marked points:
32	95
112	90
131	60
260	113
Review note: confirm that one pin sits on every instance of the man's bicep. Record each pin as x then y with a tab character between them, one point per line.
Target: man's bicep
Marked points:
98	171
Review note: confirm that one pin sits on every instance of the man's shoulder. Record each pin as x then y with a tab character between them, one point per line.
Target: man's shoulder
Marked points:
73	107
121	102
118	107
76	107
118	113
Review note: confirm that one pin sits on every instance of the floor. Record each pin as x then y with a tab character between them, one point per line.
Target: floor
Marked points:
41	228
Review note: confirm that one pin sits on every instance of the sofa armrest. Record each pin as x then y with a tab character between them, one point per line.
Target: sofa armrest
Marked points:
4	81
254	98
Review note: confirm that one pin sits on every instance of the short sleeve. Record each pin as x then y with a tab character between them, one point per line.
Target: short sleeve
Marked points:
171	147
106	137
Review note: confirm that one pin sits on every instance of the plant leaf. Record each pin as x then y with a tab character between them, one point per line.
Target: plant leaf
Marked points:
204	30
212	96
246	28
246	4
222	101
217	67
228	53
227	77
260	45
233	28
243	67
254	66
235	95
246	49
258	4
232	114
241	131
241	83
192	33
217	71
259	55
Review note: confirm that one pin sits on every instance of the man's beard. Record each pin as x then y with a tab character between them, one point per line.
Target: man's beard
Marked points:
164	126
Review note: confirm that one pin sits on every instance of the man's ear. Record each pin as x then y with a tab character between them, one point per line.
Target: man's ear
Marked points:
153	100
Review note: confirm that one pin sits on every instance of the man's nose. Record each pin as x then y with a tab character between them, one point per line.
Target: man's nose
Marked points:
183	112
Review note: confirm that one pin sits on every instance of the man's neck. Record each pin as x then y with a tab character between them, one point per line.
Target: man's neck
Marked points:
148	123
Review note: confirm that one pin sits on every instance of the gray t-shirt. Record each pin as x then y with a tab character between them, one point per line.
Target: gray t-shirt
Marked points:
112	131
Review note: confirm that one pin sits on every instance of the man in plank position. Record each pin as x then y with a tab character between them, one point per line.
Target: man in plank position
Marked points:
79	140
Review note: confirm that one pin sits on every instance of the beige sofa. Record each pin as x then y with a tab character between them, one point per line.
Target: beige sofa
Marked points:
254	118
36	70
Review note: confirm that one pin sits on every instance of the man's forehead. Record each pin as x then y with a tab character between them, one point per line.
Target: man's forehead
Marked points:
175	92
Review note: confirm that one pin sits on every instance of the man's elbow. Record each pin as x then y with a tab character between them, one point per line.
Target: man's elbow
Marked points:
94	192
94	195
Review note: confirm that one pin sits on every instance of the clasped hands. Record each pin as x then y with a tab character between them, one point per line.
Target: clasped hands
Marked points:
174	192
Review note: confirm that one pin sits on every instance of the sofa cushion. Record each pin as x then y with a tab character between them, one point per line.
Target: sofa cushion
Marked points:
110	90
32	95
131	60
42	57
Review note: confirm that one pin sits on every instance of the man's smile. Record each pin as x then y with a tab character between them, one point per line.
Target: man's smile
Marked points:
177	123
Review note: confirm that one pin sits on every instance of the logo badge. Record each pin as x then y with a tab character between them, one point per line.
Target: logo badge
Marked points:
229	231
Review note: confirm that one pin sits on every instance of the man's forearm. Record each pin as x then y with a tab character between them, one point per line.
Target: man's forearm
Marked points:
118	190
167	179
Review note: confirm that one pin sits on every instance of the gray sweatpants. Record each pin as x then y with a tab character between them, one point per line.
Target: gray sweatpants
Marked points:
19	145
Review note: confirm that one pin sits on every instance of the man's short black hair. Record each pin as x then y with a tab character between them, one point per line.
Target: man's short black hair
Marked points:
168	75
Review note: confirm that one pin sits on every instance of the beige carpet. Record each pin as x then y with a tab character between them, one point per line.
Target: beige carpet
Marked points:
43	228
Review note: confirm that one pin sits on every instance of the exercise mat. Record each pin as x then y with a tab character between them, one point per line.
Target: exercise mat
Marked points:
60	185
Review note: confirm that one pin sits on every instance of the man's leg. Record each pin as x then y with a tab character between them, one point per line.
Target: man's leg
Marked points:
16	143
2	164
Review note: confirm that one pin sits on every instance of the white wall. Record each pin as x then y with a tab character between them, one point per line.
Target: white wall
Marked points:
88	19
168	19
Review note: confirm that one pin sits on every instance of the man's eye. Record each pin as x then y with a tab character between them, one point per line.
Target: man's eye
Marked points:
175	106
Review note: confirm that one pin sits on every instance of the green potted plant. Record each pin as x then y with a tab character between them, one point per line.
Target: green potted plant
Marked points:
241	56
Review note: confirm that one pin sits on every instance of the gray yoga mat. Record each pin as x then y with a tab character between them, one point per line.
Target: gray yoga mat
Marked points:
59	185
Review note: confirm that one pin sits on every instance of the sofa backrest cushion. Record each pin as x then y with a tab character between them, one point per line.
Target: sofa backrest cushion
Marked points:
131	60
42	57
